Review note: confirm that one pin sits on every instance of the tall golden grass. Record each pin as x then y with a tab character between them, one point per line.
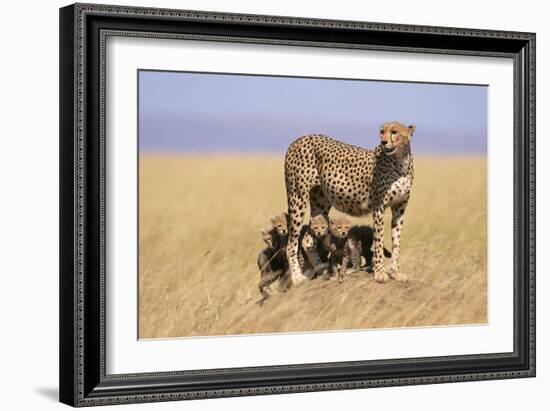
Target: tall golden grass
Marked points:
200	217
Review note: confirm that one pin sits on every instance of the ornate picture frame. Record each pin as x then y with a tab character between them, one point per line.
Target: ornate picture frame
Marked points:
84	29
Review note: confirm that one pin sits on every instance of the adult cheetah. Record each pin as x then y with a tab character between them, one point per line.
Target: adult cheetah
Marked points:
327	173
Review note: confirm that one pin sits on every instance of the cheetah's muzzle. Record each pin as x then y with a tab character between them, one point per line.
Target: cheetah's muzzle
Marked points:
389	151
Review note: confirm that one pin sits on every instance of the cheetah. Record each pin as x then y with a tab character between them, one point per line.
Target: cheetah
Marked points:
361	238
321	172
340	254
349	243
314	249
272	261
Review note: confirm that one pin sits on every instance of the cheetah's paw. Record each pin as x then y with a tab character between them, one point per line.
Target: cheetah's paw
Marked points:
399	276
267	292
381	277
298	280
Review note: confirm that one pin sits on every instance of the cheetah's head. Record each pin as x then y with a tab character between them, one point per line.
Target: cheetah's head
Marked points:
267	235
394	137
280	223
319	225
340	226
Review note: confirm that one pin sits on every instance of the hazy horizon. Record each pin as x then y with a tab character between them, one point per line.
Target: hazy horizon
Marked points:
183	112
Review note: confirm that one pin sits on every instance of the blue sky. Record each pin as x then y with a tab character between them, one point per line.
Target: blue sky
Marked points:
199	112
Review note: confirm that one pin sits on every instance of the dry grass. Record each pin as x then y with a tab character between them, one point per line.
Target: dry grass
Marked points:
199	238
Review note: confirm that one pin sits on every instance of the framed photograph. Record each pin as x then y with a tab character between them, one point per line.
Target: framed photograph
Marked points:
261	204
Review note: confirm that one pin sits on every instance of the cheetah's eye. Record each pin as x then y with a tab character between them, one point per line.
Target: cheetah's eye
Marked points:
393	132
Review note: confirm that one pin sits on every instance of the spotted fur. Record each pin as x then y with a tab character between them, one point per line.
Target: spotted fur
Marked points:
321	173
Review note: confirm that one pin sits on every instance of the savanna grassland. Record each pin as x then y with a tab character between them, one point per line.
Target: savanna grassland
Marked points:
200	217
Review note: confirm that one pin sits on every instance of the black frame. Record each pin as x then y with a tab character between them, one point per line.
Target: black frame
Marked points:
83	30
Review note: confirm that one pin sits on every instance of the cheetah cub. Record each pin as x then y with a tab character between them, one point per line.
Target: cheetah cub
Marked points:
362	237
340	254
272	261
313	251
348	245
314	248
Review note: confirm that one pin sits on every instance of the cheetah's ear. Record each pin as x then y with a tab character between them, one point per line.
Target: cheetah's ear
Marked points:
412	129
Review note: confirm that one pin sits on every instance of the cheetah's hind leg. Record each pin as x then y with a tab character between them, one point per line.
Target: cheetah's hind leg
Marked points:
296	207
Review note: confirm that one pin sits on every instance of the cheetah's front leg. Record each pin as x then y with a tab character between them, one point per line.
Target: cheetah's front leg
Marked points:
378	220
396	229
268	278
343	268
